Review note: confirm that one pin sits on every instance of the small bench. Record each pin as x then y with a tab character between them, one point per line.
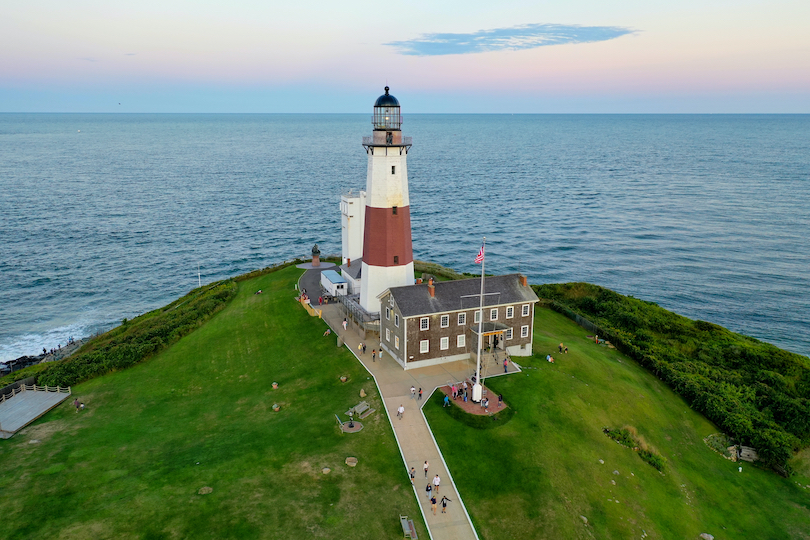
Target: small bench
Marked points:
408	528
361	410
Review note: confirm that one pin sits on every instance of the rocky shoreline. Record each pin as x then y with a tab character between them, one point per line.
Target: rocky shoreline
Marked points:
25	361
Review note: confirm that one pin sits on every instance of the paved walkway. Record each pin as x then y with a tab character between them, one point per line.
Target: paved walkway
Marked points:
413	435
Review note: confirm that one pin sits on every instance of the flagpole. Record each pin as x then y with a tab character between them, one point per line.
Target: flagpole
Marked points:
477	389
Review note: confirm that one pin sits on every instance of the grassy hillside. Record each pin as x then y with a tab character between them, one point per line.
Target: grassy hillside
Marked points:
199	415
534	476
755	392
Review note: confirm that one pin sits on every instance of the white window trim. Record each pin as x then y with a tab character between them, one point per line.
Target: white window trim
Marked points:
510	312
396	342
495	311
524	331
477	317
525	310
462	319
461	340
424	346
509	333
424	323
444	343
387	313
387	334
444	321
396	320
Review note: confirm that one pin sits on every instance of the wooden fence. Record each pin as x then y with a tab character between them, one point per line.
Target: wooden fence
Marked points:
34	388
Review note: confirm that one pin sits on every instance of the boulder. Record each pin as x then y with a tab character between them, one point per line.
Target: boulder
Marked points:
706	536
362	393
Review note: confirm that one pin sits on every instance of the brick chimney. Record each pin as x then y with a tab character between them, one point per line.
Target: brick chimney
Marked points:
523	280
431	288
348	262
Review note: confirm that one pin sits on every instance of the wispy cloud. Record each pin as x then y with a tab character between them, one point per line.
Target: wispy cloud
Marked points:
130	54
528	36
89	59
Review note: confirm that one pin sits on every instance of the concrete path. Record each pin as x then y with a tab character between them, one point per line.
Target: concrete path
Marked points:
413	435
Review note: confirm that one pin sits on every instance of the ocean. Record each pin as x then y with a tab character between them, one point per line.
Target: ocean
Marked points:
106	216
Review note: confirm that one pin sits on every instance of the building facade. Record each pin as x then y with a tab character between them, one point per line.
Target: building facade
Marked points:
436	323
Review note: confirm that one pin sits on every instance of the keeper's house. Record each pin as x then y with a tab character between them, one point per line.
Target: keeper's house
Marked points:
435	323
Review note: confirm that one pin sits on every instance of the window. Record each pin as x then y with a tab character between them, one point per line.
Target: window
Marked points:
524	330
396	342
477	318
462	319
445	321
525	310
393	171
394	210
390	299
424	323
396	320
396	259
508	333
388	313
461	340
493	314
444	343
387	334
424	346
510	312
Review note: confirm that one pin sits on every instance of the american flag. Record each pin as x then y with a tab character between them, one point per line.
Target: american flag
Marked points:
480	257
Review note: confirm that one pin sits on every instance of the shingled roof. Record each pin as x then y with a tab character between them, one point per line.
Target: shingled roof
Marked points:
460	294
354	270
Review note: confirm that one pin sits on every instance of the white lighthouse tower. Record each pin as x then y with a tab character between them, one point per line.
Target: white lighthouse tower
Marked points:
387	248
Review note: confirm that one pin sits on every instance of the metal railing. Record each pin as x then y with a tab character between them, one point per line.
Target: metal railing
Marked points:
369	141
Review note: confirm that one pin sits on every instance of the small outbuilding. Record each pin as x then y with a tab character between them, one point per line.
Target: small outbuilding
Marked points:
333	283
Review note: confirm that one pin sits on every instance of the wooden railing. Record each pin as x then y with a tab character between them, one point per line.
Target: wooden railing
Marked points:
34	388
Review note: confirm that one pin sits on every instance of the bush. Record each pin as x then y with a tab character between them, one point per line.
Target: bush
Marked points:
139	338
754	391
629	437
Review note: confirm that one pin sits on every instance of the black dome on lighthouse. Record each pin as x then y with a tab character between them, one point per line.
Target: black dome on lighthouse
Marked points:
386	100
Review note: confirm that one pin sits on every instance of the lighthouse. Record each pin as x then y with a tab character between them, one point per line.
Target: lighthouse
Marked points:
387	248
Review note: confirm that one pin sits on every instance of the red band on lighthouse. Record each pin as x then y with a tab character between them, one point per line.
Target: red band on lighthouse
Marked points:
387	235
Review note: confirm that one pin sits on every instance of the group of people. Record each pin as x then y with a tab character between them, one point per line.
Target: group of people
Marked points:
432	490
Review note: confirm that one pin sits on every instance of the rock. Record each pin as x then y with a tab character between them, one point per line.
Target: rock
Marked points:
205	490
706	536
351	461
326	470
362	393
613	482
602	461
584	519
616	473
33	441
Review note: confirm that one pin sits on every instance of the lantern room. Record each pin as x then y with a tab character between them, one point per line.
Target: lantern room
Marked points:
386	113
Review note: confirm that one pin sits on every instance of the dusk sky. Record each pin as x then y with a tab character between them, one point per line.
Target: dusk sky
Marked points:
438	56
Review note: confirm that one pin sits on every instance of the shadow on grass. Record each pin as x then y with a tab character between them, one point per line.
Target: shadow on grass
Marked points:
476	421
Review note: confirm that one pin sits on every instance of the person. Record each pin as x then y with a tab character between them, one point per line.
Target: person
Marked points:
548	358
551	359
400	411
426	468
566	350
505	363
373	355
436	482
413	474
464	386
380	351
446	401
328	331
76	404
360	348
420	393
364	348
445	500
429	490
500	400
453	390
320	300
413	392
433	504
345	322
561	347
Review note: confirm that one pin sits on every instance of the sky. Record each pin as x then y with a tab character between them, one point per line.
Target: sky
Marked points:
471	56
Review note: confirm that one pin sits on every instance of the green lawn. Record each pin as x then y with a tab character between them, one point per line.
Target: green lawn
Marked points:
536	475
200	415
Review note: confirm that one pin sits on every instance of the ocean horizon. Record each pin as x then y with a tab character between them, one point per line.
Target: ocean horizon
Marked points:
109	215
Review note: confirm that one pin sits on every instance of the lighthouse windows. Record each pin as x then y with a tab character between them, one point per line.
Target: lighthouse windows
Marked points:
393	169
394	210
396	259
